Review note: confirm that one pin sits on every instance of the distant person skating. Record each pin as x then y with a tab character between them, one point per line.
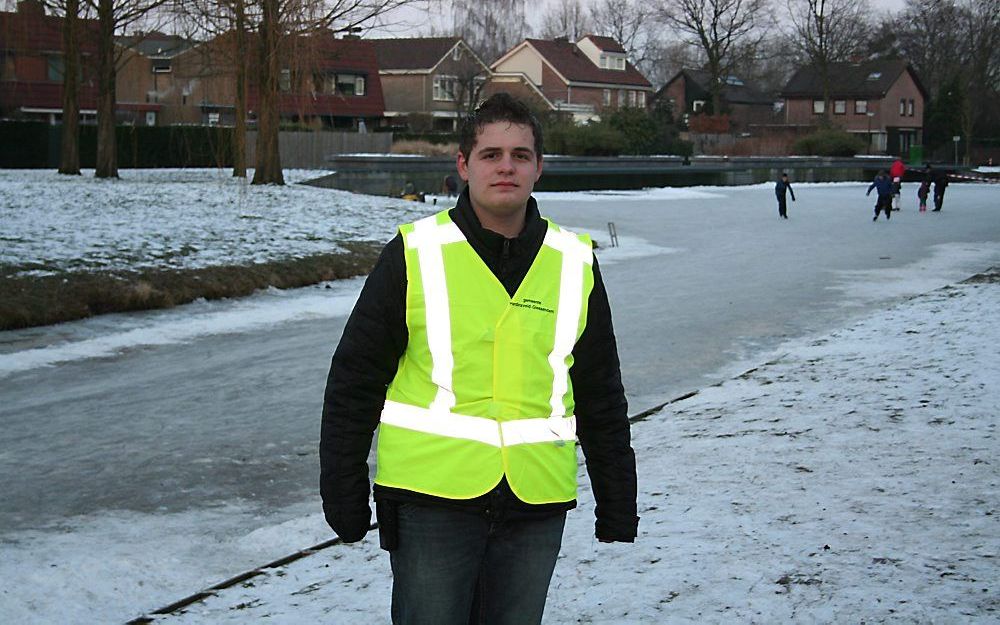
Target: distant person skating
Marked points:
896	172
779	190
883	186
922	193
450	185
940	184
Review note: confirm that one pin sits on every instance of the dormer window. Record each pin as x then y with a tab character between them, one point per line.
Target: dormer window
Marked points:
874	76
613	61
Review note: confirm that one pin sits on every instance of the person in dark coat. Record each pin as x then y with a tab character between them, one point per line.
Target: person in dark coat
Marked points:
780	188
940	184
883	187
483	558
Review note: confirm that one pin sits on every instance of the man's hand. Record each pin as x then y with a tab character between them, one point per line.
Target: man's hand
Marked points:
350	525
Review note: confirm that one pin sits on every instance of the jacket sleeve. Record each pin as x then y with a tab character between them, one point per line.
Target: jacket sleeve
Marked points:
602	421
363	365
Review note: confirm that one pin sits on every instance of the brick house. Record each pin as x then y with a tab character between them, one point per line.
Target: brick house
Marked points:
32	64
689	93
325	82
433	78
584	78
880	101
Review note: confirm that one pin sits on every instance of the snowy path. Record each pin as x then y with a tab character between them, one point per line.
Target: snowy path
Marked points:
854	479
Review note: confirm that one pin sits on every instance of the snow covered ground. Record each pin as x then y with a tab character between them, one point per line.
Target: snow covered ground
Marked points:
852	478
179	218
849	440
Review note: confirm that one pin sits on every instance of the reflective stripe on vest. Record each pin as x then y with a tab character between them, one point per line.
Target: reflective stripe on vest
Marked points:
481	429
458	443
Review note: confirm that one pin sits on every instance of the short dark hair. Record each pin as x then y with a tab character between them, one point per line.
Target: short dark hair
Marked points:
500	107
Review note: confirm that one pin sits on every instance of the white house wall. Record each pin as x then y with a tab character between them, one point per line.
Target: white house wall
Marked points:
592	51
524	61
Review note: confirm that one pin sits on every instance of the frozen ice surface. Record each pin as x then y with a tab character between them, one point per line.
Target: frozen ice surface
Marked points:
147	456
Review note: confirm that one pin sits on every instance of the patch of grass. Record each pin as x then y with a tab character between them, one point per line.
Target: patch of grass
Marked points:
28	301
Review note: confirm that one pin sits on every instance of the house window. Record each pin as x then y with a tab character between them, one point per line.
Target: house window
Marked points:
621	98
902	107
56	68
612	62
606	97
860	107
456	53
840	107
642	99
444	88
631	98
819	107
213	119
346	84
697	105
909	107
285	80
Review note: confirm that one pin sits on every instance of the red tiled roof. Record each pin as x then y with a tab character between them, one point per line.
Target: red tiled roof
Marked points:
419	53
872	79
575	66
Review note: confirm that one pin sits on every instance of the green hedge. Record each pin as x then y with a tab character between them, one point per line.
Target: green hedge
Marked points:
828	142
37	145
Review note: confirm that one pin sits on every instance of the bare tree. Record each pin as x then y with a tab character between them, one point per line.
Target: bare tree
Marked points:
981	63
227	24
829	31
720	29
927	34
69	155
283	21
489	28
114	17
954	45
627	22
565	18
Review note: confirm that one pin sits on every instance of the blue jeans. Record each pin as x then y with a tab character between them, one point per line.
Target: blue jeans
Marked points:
452	567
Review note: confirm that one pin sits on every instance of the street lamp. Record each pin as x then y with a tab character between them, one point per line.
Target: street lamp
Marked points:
870	114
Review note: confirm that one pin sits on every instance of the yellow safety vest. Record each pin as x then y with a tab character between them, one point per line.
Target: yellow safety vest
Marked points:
483	388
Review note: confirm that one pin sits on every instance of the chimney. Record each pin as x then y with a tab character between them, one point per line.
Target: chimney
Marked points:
31	7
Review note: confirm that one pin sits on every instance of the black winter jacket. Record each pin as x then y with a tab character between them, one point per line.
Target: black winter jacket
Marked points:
365	363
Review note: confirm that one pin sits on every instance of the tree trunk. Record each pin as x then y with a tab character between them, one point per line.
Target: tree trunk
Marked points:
69	160
107	156
240	129
268	166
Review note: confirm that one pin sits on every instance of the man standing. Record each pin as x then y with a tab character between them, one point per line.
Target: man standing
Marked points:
940	184
779	190
482	345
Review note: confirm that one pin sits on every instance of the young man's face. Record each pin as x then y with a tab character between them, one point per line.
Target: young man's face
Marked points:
502	168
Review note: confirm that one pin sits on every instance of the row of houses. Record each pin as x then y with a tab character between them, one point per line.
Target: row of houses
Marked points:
427	83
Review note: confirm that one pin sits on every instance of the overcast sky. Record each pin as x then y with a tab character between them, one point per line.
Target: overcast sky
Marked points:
410	22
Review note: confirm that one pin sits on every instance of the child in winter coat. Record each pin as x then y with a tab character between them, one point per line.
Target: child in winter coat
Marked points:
883	186
922	193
